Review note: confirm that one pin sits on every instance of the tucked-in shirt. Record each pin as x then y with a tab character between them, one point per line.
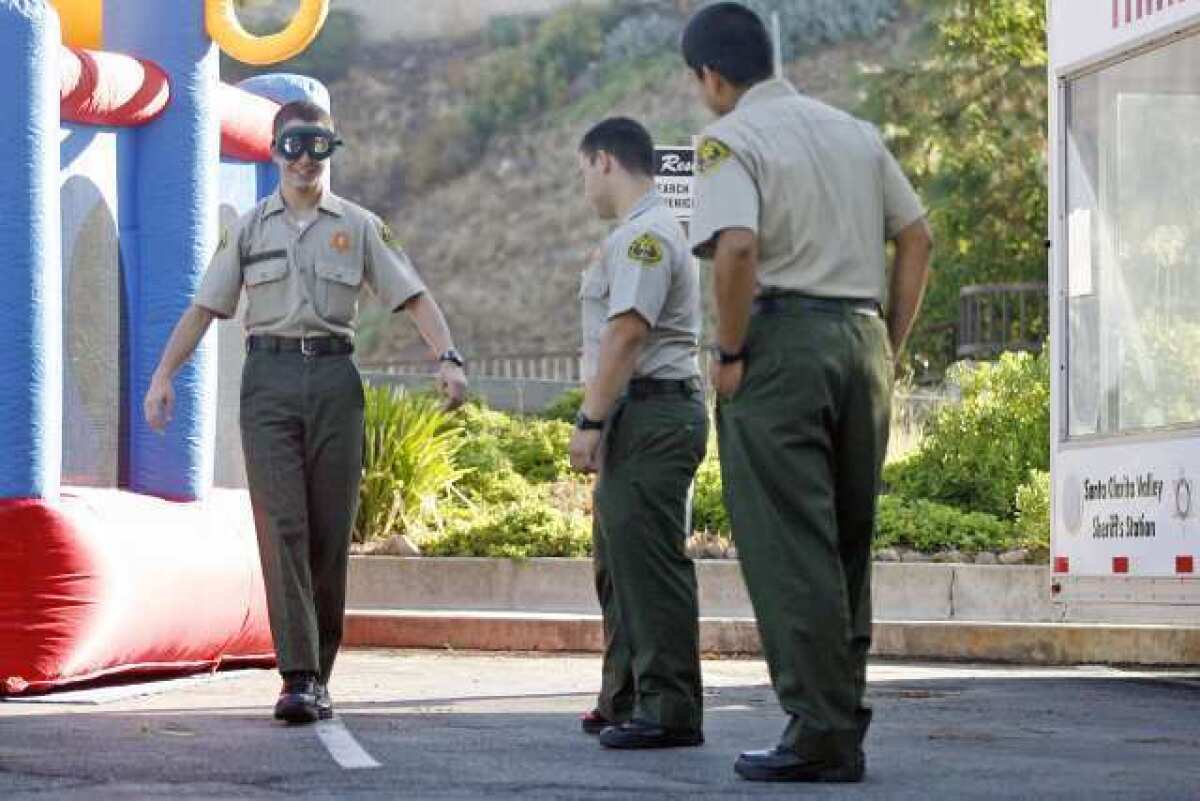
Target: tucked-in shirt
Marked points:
306	280
818	186
645	267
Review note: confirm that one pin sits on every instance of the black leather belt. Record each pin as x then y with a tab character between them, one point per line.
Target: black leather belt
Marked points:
773	302
323	345
640	388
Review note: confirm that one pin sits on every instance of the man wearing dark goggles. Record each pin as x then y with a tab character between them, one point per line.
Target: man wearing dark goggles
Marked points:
315	140
301	258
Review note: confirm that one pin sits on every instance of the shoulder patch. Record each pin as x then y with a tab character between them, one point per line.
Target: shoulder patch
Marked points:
388	235
646	249
711	154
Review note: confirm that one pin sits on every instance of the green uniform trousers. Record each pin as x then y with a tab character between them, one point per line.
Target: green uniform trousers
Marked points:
302	434
644	579
802	442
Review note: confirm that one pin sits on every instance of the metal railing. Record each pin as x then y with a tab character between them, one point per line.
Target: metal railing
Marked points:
554	366
993	318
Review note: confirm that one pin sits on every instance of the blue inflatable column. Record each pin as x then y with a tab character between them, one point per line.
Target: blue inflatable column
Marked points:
283	88
31	313
172	193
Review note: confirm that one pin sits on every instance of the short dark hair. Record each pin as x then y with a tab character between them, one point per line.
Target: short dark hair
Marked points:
302	111
624	139
732	40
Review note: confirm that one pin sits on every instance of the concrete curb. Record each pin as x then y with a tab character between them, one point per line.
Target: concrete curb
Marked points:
901	591
1024	643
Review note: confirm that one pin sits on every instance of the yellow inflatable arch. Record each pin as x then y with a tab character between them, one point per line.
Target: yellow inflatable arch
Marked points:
226	30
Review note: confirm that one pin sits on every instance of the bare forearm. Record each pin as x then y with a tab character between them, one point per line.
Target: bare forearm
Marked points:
619	348
735	268
425	313
188	332
910	275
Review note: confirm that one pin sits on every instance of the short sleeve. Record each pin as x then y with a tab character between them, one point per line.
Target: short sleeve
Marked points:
390	274
639	267
221	287
726	196
901	206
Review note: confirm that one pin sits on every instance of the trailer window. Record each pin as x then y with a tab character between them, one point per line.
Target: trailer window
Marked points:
1133	245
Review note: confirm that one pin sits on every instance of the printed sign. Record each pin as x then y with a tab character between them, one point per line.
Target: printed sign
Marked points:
675	175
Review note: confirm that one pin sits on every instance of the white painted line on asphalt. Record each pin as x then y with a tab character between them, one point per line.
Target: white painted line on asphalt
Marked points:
342	746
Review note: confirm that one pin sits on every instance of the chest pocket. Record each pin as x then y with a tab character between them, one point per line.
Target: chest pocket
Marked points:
266	290
338	284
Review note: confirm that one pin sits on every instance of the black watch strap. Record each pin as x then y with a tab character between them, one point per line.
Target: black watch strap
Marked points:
585	423
725	357
454	357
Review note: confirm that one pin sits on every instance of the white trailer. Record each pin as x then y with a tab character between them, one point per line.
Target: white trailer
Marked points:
1125	309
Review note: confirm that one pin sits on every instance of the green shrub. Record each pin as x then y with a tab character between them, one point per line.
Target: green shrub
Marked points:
520	530
708	505
409	464
930	527
819	22
565	407
534	449
1033	512
975	454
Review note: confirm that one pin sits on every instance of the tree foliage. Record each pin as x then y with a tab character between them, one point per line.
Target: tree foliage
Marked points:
967	119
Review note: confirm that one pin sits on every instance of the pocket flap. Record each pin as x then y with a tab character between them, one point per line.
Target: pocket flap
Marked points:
264	272
346	273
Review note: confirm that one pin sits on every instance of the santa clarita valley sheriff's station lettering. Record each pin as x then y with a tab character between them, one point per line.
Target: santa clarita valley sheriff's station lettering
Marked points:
674	176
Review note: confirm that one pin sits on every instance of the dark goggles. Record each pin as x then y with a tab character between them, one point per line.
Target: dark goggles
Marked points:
319	143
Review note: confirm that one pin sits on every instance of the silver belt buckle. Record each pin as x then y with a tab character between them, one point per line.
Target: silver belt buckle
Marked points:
304	347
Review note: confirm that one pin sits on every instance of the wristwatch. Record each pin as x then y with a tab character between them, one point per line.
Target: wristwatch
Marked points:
725	357
454	357
585	423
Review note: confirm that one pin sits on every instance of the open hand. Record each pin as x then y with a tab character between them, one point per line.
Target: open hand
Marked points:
452	383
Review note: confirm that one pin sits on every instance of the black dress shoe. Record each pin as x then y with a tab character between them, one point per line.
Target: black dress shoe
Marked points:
785	765
298	700
643	734
324	702
593	722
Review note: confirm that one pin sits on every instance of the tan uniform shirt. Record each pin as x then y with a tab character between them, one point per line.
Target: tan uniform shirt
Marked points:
645	267
818	186
302	281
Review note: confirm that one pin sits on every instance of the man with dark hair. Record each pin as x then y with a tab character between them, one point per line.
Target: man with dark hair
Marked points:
643	428
795	201
303	256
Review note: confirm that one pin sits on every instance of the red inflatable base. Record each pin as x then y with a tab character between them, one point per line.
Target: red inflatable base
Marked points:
102	583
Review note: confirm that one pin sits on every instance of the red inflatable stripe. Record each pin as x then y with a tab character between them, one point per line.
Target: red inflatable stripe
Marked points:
245	124
110	89
104	583
98	88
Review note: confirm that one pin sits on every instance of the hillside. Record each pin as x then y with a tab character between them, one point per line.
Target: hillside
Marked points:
503	243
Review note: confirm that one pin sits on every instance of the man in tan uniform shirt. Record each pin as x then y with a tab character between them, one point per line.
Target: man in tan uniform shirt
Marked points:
645	410
302	256
795	201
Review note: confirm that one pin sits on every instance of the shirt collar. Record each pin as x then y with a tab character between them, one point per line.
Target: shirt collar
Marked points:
644	204
763	91
329	203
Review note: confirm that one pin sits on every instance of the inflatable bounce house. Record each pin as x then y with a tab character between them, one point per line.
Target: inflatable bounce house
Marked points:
125	552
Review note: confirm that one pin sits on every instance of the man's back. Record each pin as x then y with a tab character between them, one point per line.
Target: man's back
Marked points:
828	192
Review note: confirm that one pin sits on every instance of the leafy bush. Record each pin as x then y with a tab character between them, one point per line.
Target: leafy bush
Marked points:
1033	511
641	37
929	527
565	407
536	450
408	464
516	82
819	22
519	530
708	504
975	454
